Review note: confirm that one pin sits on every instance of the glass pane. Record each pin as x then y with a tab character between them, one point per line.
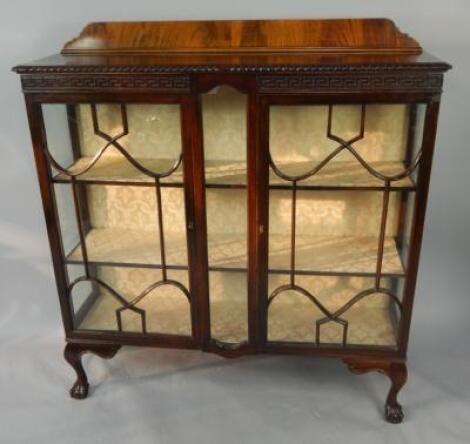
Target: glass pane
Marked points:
335	232
334	139
225	132
293	317
102	134
119	166
56	122
67	217
342	183
123	226
165	310
229	306
225	137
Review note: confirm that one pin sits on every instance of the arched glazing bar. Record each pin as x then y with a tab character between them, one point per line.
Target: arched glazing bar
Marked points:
114	142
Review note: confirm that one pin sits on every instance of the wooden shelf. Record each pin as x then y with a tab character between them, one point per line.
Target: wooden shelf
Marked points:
323	255
226	174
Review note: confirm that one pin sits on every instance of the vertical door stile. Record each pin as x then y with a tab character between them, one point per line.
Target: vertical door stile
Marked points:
262	220
253	223
193	161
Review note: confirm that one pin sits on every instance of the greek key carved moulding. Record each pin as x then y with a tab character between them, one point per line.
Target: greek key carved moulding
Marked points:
404	81
419	82
82	83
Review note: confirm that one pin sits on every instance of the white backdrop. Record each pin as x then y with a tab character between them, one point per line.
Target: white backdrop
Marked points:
160	396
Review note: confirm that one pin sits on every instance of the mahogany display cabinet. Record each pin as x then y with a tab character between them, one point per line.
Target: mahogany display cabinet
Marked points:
237	187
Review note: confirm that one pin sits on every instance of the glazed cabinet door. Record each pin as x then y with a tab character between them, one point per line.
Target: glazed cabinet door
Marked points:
120	179
340	180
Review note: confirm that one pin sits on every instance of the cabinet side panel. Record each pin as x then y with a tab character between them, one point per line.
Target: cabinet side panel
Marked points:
38	136
419	212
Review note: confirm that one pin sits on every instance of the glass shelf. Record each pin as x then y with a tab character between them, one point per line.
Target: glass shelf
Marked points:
114	246
348	255
231	174
342	255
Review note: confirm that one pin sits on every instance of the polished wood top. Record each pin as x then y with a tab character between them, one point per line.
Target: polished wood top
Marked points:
231	63
366	36
238	46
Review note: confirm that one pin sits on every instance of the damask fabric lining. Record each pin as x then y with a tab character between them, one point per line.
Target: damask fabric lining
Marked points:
291	316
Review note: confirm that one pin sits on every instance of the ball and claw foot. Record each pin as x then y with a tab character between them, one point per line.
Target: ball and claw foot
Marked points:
73	355
394	413
396	372
79	390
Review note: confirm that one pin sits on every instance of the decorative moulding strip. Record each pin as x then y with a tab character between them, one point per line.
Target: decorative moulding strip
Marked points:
246	69
403	81
43	83
422	82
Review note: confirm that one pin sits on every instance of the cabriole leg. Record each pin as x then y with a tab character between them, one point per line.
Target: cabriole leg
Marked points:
73	355
397	373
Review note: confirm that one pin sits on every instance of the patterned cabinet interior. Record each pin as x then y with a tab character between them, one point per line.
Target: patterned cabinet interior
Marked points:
118	173
342	180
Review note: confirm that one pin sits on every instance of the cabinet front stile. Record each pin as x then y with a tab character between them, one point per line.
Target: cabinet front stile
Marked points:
262	219
195	201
